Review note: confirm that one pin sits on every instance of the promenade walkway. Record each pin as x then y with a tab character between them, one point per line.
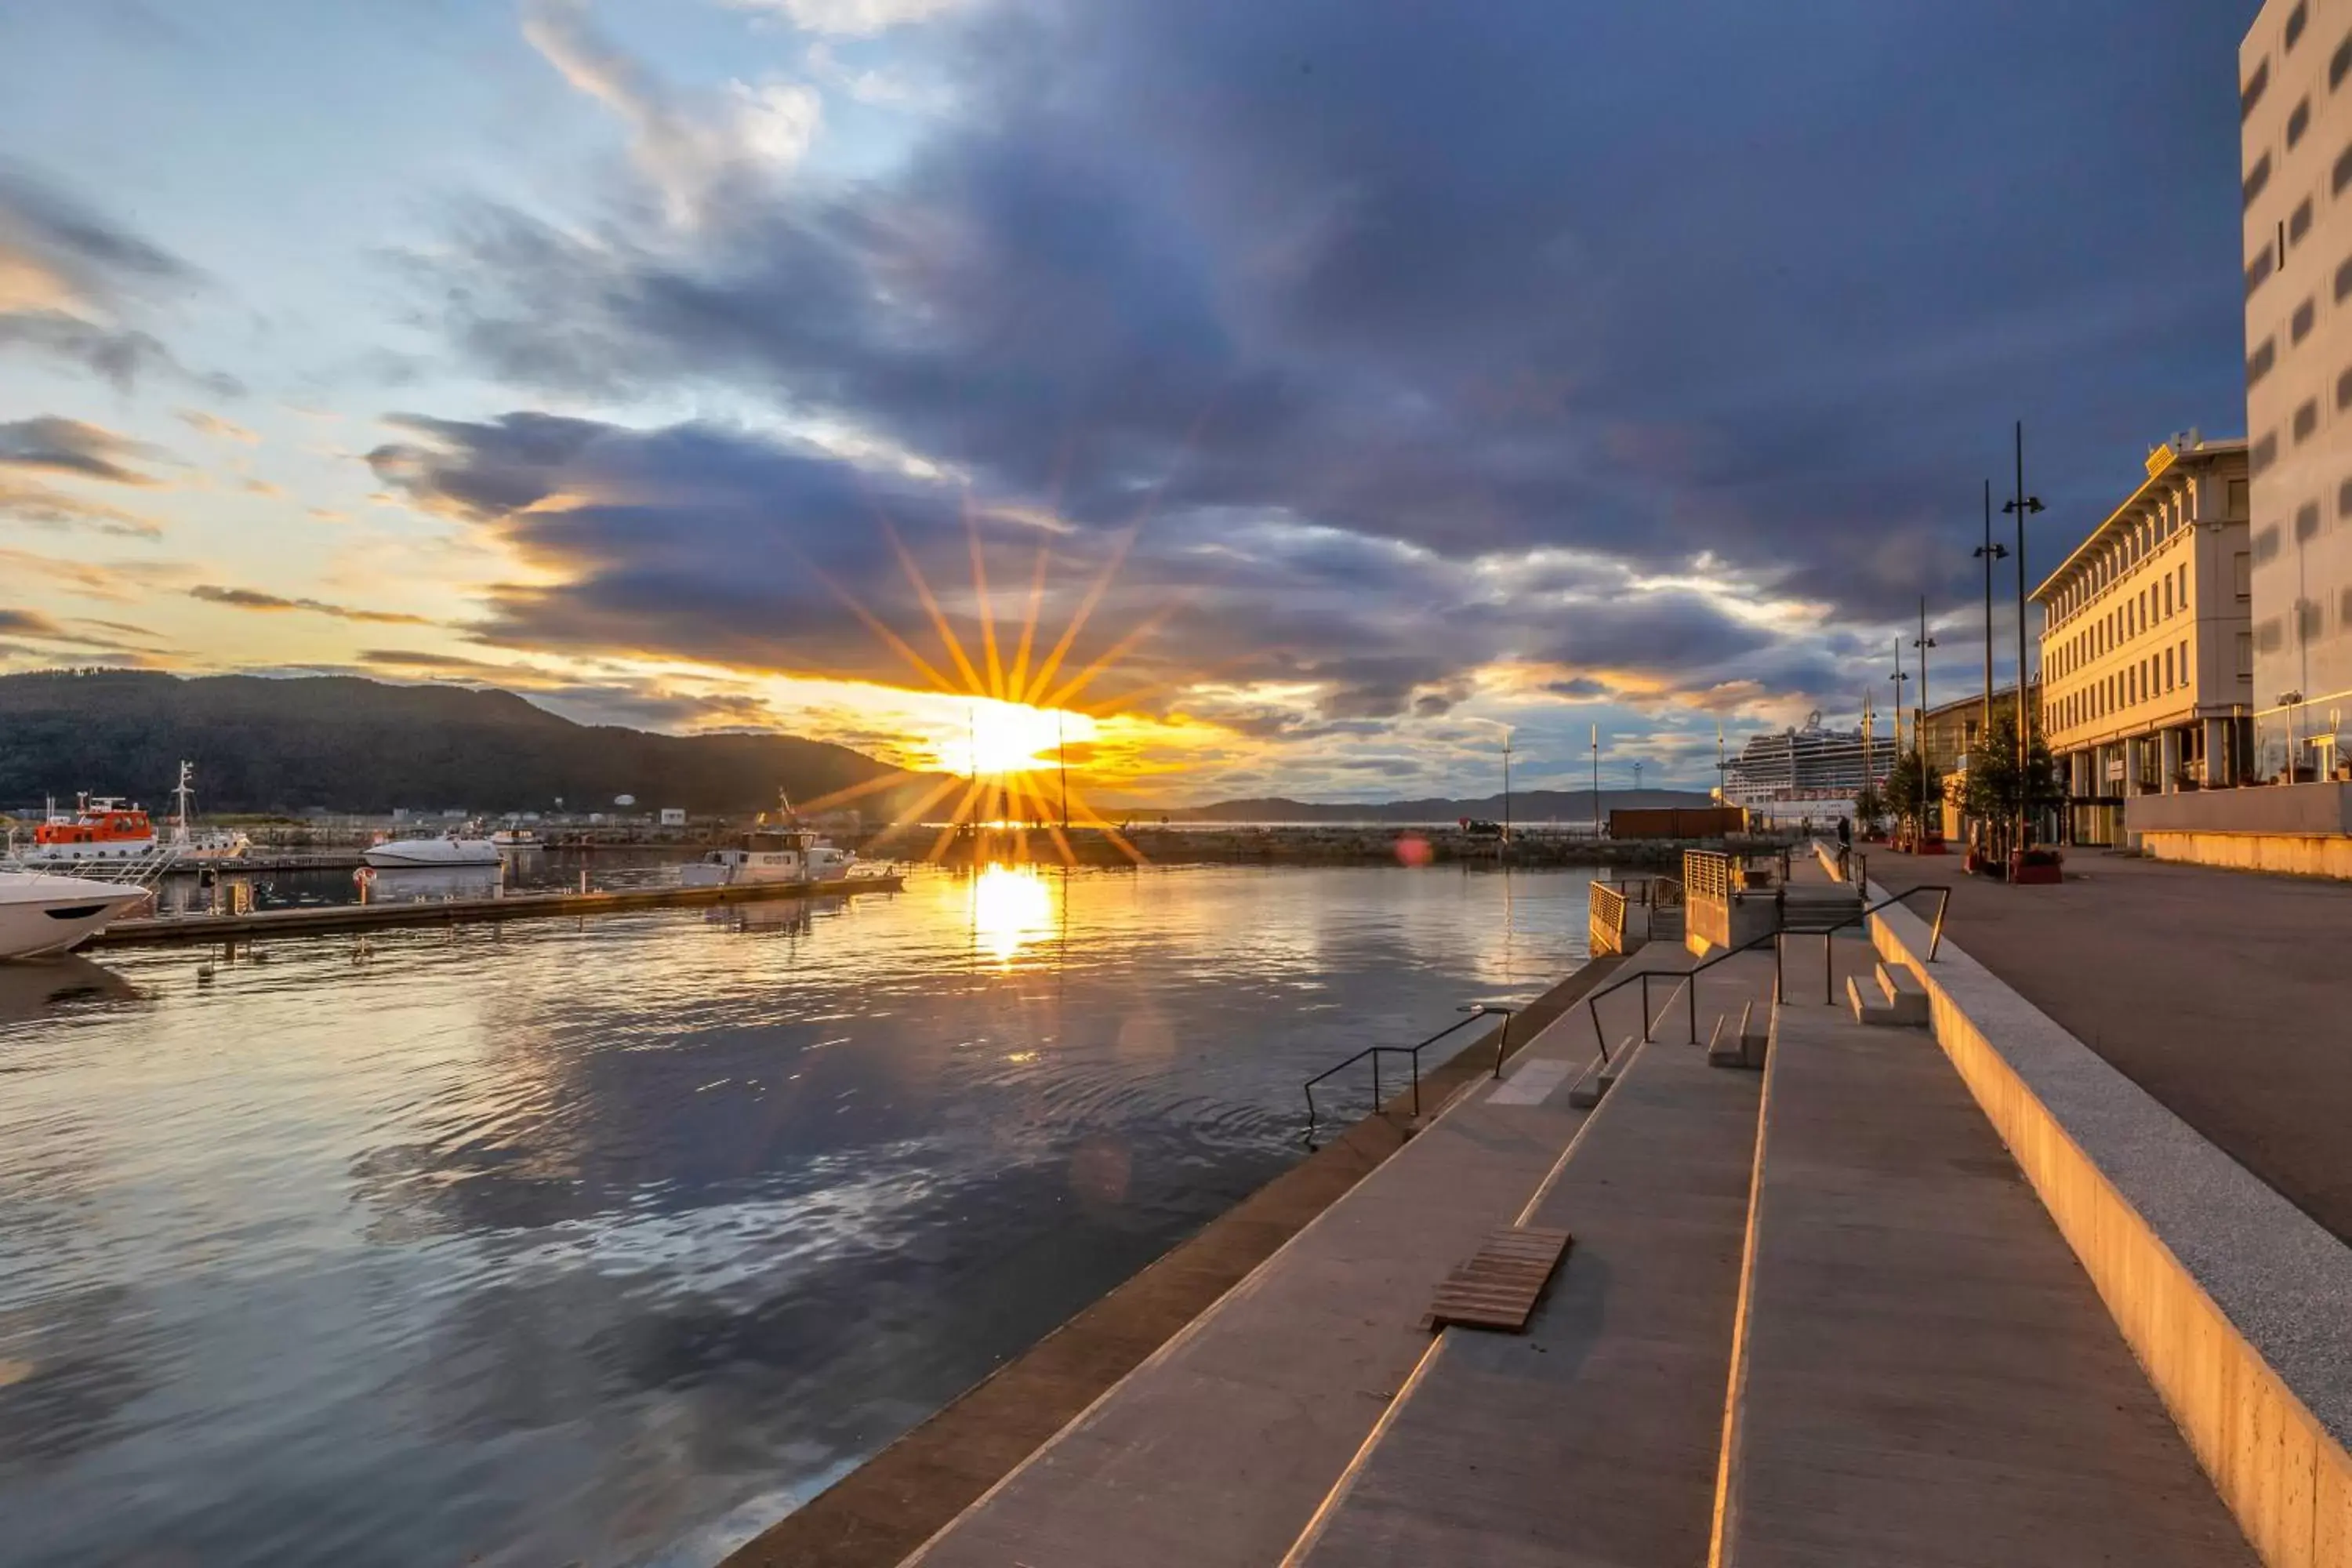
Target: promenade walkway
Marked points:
2222	993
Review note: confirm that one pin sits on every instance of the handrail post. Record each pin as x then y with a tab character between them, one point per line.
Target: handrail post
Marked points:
1829	979
1935	938
1501	1034
1416	1083
1376	1080
1692	986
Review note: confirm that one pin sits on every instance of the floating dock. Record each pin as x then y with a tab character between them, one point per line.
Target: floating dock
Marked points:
314	920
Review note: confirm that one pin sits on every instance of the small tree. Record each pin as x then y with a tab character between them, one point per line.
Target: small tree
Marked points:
1913	789
1869	805
1994	793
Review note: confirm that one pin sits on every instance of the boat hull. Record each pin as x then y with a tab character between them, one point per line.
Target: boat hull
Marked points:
433	852
42	915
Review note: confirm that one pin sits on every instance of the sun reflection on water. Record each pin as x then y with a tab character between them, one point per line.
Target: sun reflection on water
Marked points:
1010	908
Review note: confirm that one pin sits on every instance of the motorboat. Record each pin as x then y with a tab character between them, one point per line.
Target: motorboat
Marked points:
186	841
459	847
515	838
42	913
770	855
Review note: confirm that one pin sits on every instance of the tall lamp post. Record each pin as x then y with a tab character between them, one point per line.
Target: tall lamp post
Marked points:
1923	643
2022	506
1596	784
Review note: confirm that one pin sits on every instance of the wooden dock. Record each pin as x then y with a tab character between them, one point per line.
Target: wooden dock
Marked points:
315	920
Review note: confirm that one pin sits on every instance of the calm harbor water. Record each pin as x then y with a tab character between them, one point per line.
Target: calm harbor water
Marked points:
607	1241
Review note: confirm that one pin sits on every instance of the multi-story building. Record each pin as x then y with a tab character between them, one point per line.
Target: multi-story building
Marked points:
2294	74
2147	656
1950	730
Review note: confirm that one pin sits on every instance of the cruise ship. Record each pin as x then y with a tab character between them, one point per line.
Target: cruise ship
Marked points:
1810	771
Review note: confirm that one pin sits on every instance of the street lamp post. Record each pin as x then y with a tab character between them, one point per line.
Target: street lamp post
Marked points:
1596	784
1989	552
1924	642
2022	506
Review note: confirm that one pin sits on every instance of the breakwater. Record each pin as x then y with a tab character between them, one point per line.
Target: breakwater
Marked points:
1300	844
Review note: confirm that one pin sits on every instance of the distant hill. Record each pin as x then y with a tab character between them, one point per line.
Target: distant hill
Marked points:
1530	807
345	744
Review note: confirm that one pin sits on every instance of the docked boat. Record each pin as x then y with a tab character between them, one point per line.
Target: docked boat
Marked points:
186	841
102	830
457	847
41	913
770	855
515	838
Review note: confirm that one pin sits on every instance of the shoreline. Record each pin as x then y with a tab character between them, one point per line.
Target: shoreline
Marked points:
877	1513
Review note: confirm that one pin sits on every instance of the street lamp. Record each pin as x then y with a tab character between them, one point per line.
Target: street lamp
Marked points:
2022	506
1989	552
1923	643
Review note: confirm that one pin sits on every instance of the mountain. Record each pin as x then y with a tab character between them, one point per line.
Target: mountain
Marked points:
1527	806
341	744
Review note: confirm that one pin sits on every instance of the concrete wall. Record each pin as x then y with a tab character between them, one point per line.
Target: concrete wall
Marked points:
2232	1300
1721	923
2282	854
2273	808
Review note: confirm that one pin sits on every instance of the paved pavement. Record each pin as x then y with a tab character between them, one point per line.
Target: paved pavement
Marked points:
2222	993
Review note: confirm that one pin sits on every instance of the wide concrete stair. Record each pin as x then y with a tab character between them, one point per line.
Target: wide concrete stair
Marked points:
1924	1373
1814	903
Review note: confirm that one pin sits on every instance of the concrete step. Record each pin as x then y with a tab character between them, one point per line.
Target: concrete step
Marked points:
1746	1045
1903	994
1591	1438
1923	1374
1587	1090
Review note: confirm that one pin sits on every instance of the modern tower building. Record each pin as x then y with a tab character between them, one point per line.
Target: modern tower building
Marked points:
2294	74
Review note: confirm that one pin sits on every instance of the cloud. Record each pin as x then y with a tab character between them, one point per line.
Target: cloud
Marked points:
697	155
254	599
852	17
44	506
70	280
71	446
214	425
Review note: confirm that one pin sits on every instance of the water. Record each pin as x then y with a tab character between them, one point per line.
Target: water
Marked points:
606	1241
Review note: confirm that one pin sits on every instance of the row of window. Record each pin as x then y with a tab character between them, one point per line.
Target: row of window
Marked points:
2158	674
2310	621
2338	67
2152	606
2132	544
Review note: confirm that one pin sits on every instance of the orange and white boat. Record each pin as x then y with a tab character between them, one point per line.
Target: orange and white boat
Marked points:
103	829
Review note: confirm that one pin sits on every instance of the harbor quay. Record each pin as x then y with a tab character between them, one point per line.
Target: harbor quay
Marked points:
1936	1224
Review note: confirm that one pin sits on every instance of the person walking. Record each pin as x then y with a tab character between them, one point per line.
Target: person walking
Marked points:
1845	832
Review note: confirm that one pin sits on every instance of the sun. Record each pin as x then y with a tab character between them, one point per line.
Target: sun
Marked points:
1012	738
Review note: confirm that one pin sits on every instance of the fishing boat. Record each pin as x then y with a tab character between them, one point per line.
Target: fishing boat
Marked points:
770	855
458	847
189	842
41	913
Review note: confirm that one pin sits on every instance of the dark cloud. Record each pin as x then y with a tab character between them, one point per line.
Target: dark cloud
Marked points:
70	446
253	599
70	280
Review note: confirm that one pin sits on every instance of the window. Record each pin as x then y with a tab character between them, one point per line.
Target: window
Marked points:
2239	490
2259	269
2167	670
2184	587
2339	65
2264	453
2343	614
2298	122
2306	420
2268	638
2306	522
2184	661
2168	597
2343	391
2250	93
2245	656
2299	224
2306	620
2343	175
2296	20
2243	568
2299	324
2266	546
2260	175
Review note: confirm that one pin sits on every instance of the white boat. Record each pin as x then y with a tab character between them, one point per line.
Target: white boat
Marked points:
187	842
42	914
457	847
770	855
515	838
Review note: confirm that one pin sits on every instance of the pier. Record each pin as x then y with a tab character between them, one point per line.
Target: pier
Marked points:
311	921
1938	1284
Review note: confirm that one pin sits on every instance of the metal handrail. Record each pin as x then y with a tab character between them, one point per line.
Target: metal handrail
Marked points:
1475	1010
1935	935
1593	1003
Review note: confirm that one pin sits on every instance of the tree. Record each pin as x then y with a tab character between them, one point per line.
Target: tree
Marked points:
1869	805
1915	788
1994	795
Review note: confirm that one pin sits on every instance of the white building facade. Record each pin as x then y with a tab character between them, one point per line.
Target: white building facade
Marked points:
2294	74
2148	665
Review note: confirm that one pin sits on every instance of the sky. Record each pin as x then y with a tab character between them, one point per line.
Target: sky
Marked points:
1306	396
